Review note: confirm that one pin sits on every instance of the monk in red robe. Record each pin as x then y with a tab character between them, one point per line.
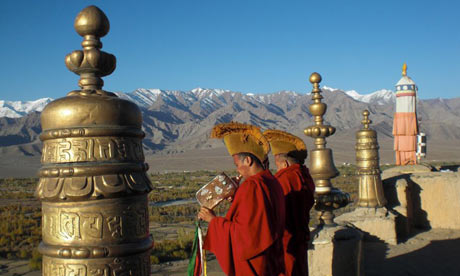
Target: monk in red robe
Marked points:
298	188
248	240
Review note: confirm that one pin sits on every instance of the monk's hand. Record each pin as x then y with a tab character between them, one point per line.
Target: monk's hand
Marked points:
237	179
206	214
229	199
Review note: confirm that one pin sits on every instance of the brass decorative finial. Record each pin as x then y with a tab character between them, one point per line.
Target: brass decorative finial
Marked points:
404	69
367	166
91	63
319	131
366	121
322	166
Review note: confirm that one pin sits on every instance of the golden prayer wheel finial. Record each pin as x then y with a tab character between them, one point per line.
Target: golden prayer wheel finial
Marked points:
93	184
91	63
322	167
404	69
368	168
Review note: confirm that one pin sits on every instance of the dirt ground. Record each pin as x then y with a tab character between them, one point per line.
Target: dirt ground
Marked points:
429	253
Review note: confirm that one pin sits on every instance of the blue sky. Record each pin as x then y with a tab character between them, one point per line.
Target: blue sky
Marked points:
248	46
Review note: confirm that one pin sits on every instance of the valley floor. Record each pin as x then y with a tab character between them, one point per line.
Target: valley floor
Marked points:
16	165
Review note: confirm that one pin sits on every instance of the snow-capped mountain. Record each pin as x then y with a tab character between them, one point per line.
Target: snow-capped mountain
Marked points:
380	97
141	96
206	97
16	109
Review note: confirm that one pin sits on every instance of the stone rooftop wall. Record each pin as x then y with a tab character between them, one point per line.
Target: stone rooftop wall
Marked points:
423	198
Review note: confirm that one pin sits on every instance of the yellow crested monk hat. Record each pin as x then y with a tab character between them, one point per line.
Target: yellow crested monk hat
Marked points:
284	142
239	138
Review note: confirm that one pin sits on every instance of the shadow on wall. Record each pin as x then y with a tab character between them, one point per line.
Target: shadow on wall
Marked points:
437	258
347	258
403	196
453	168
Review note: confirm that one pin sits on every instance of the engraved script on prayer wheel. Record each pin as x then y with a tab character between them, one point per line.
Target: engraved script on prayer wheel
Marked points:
93	184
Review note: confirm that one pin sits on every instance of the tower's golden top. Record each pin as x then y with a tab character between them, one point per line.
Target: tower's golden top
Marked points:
404	69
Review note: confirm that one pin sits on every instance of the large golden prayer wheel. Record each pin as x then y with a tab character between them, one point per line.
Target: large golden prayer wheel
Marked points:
93	183
322	168
368	168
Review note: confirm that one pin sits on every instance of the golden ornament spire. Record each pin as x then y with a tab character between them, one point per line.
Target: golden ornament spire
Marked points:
404	69
93	185
367	165
322	168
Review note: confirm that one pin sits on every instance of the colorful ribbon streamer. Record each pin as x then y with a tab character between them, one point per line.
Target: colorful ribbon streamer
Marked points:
197	263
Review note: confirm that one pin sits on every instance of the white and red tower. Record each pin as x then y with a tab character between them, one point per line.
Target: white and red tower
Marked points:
405	128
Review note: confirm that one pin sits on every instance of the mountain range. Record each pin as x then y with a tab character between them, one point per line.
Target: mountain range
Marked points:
177	121
147	97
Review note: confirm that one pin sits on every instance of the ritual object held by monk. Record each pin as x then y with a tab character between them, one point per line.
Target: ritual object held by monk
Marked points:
218	189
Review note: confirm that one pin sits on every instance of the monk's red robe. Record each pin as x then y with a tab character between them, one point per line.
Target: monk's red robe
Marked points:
298	188
248	240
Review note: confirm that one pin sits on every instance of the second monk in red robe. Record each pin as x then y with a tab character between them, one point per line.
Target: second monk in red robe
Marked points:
298	187
248	240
